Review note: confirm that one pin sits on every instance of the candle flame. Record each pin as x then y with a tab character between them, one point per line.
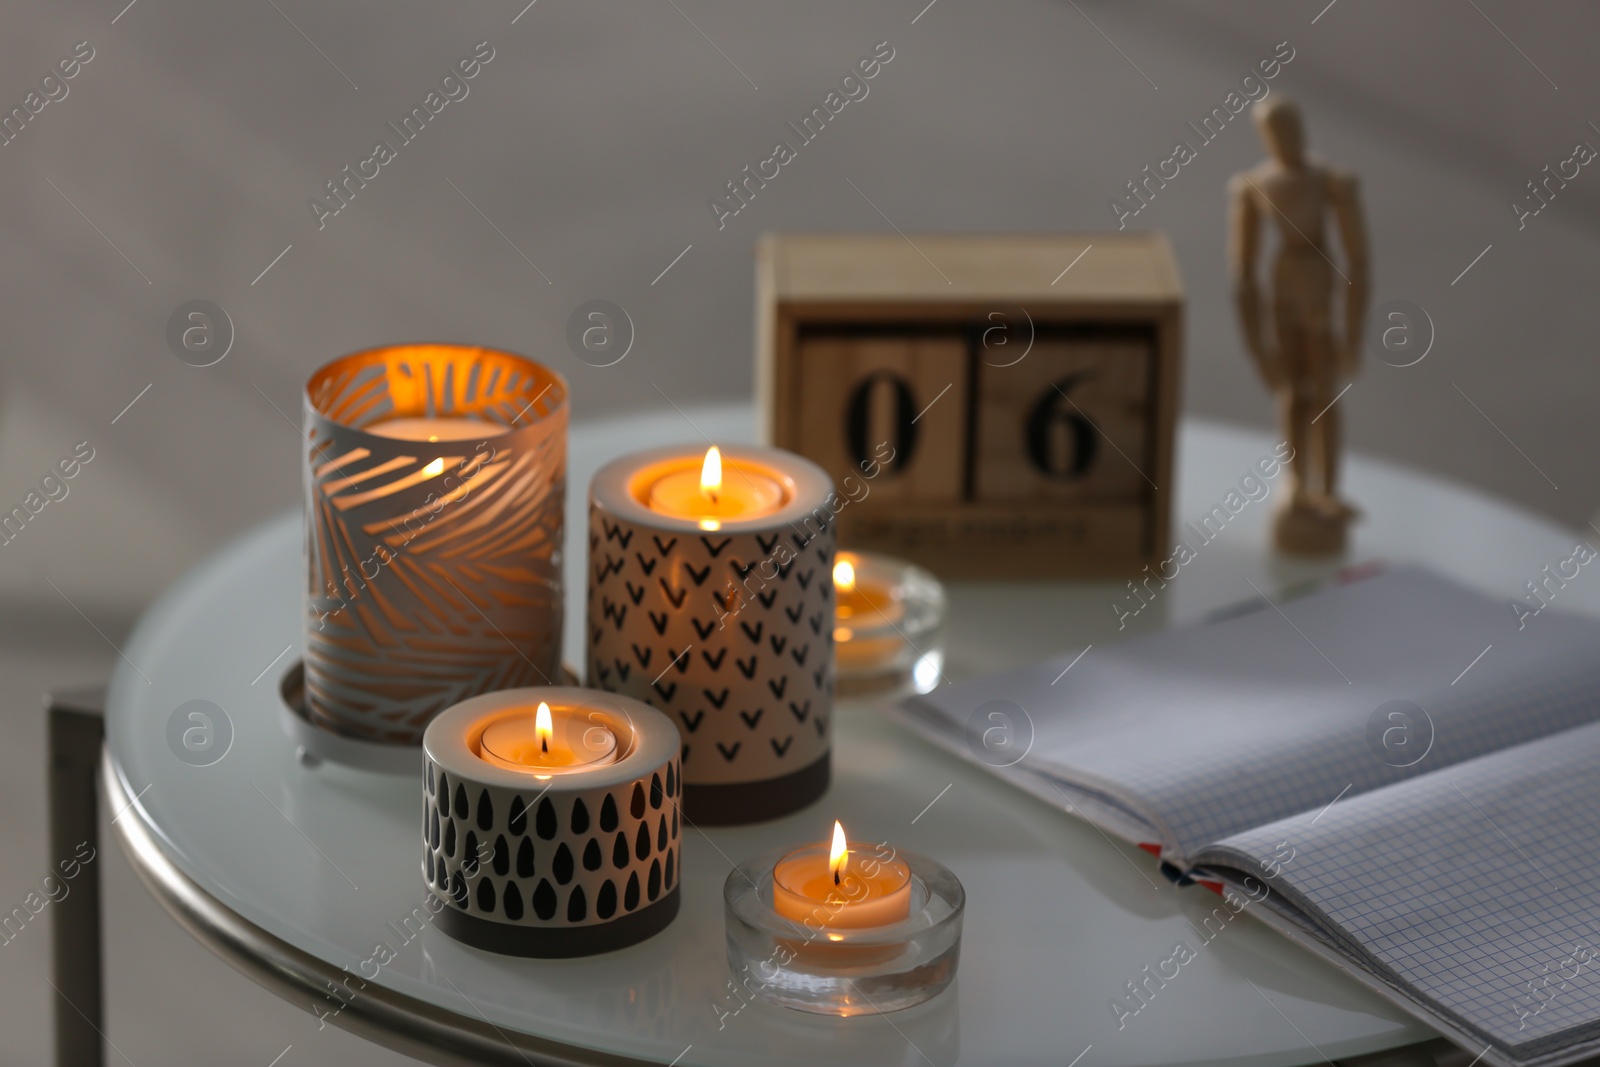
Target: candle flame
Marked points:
844	575
543	728
711	473
434	468
838	854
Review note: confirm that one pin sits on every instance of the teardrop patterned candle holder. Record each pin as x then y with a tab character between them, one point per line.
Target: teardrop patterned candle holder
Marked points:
433	567
559	865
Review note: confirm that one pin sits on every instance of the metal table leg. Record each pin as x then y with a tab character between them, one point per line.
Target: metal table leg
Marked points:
76	733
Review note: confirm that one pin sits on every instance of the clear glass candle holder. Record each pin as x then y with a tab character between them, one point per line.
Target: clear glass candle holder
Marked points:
812	966
888	626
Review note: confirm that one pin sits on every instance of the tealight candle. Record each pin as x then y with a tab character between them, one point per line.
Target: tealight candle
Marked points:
866	610
710	495
542	743
836	889
435	429
887	618
710	599
817	927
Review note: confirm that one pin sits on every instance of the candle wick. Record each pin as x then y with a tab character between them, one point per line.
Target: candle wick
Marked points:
835	877
544	746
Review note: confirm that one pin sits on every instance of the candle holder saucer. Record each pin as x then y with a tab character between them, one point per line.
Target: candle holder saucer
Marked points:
317	742
809	966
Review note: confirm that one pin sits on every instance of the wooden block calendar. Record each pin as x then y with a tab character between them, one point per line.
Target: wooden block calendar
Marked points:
1002	405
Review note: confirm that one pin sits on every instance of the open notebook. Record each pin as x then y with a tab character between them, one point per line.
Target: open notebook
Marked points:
1433	832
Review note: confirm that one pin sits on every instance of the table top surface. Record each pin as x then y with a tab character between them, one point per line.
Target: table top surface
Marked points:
1059	917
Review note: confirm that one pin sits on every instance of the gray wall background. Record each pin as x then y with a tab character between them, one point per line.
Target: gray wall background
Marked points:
589	147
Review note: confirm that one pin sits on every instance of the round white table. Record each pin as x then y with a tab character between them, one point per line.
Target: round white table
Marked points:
298	874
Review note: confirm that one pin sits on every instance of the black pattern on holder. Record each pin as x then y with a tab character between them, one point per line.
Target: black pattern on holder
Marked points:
524	875
731	636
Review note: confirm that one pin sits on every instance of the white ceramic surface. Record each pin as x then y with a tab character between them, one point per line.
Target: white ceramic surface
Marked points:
1058	917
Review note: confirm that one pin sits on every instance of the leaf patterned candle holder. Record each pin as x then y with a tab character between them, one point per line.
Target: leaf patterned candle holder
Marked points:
435	480
526	860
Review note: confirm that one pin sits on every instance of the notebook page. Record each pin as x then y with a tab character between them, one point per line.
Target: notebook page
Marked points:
1107	811
1474	888
1211	729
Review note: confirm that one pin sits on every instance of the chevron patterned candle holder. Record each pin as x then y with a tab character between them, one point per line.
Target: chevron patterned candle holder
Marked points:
550	822
435	481
714	603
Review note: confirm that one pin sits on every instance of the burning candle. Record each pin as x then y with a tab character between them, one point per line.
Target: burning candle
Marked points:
867	612
433	430
452	428
887	617
843	928
709	497
550	821
710	598
841	885
435	492
549	743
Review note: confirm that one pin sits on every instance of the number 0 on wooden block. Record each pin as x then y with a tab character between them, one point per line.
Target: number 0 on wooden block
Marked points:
979	417
900	410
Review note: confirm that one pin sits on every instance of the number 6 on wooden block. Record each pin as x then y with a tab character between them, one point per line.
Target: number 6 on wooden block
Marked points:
1069	422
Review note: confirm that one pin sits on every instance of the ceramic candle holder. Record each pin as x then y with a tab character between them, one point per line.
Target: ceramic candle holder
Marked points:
571	863
435	482
729	631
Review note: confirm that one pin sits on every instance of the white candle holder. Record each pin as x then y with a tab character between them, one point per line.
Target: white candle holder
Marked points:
888	637
433	567
727	631
558	865
816	967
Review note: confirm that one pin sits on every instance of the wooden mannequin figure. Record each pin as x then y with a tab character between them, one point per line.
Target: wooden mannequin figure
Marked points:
1304	361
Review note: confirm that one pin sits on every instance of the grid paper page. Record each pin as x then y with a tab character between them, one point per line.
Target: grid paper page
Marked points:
1473	887
1208	730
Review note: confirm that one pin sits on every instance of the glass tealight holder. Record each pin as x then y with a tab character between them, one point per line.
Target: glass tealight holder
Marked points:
888	626
827	970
